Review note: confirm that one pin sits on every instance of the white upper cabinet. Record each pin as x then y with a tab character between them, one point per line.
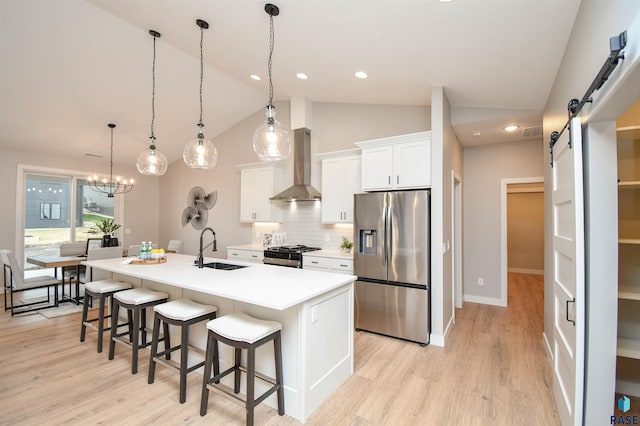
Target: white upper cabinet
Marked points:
399	162
340	180
259	182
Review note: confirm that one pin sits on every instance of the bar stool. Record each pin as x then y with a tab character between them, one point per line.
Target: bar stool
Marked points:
182	313
135	301
242	331
102	289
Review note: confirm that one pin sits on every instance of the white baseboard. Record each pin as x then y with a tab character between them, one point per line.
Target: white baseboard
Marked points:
436	340
547	346
526	271
484	300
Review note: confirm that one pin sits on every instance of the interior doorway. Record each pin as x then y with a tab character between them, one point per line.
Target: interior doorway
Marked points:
525	193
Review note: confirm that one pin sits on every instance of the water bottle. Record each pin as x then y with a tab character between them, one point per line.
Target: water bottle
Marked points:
149	248
143	250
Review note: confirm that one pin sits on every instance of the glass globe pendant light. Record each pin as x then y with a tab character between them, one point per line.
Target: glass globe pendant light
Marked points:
271	141
151	161
200	153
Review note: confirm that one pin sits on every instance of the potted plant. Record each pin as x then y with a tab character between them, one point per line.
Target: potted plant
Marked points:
346	245
108	227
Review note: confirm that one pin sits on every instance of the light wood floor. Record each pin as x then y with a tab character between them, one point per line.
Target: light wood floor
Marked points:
494	371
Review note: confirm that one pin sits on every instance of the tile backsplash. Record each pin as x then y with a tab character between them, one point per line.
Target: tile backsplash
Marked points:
301	223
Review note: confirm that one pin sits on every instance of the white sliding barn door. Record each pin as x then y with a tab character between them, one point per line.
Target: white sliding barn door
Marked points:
568	273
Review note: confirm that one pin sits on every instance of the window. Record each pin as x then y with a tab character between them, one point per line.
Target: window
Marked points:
59	206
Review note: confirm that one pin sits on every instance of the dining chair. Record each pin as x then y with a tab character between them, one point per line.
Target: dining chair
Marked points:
175	245
67	249
17	283
96	254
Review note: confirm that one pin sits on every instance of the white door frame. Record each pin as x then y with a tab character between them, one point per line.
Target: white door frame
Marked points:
456	237
503	230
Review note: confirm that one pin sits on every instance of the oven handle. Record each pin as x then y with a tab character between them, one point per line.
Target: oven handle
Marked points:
281	262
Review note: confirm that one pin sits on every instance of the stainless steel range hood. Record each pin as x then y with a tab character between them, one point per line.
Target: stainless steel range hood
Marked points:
301	189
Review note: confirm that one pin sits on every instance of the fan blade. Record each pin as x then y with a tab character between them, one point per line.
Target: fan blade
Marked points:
195	195
209	200
188	214
200	220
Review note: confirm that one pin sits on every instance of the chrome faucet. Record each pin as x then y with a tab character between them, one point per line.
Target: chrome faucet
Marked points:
200	259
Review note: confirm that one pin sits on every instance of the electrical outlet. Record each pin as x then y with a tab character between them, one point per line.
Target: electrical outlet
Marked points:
127	231
480	281
258	234
326	238
314	314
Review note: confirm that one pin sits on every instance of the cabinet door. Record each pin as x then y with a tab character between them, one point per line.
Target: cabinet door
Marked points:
333	190
263	190
352	173
412	165
248	194
377	168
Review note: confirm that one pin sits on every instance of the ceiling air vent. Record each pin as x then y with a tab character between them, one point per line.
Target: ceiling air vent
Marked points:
532	132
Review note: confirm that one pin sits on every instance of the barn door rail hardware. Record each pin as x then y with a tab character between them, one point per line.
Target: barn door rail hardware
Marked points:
616	45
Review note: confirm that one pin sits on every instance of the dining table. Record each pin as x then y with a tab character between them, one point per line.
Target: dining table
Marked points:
56	261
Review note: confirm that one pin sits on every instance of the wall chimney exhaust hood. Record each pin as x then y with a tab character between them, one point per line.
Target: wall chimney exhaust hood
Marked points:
301	189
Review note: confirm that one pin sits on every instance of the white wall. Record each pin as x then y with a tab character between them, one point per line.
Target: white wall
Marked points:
141	205
334	127
484	169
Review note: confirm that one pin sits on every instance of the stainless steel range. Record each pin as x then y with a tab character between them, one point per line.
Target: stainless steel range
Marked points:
290	256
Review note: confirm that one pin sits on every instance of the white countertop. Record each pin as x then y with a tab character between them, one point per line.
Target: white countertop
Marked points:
273	287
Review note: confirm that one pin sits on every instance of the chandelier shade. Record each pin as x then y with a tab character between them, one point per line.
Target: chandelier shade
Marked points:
271	141
110	186
200	152
151	161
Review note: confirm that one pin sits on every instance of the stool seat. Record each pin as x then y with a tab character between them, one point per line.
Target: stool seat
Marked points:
139	296
241	327
106	286
183	309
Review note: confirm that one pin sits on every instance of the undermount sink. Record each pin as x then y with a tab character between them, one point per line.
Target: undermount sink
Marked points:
223	266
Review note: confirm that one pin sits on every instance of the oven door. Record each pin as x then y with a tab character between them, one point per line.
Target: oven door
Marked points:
281	262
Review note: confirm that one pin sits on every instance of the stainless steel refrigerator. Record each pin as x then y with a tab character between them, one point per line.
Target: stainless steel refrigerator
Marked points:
392	262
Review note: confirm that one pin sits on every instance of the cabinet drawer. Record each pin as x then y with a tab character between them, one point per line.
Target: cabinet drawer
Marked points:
342	265
315	262
247	255
234	254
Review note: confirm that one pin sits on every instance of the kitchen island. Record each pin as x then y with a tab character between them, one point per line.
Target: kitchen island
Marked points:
315	309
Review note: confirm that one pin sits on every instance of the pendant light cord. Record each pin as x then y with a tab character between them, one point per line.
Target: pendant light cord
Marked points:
111	183
271	39
201	73
153	94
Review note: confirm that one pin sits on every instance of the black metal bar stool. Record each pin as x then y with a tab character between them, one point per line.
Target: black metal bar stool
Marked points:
182	313
102	289
242	331
135	301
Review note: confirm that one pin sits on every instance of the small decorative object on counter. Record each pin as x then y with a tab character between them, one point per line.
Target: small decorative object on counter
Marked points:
266	240
346	245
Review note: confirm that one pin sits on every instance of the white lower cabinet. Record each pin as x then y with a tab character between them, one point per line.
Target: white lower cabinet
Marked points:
254	256
328	264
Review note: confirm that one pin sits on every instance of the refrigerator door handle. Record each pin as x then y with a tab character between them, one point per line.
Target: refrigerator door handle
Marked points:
388	235
384	235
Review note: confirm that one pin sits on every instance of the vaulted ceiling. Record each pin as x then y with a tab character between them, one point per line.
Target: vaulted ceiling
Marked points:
71	66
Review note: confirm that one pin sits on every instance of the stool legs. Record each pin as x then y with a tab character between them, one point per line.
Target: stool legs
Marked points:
251	382
277	349
211	361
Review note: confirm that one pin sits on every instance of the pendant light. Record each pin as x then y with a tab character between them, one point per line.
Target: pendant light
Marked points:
200	153
271	141
111	186
151	161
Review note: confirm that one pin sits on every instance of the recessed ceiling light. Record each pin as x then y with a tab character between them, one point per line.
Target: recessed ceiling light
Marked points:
511	128
476	133
302	76
444	1
361	74
255	77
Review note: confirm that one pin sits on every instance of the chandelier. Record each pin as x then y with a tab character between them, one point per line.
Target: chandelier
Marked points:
110	186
